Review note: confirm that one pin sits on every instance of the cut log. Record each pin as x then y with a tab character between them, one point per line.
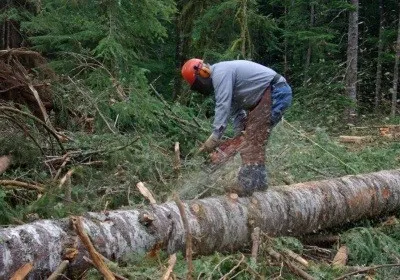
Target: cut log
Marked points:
354	139
216	223
341	257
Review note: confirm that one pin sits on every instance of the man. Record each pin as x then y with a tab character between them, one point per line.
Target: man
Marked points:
255	97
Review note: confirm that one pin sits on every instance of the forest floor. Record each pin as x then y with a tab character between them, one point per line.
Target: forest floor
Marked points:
95	172
89	157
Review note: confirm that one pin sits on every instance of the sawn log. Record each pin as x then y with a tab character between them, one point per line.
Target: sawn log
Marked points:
217	223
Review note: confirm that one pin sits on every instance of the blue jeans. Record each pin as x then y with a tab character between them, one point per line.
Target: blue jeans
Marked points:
281	100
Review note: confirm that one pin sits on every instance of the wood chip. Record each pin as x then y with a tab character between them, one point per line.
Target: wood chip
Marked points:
22	272
146	193
341	257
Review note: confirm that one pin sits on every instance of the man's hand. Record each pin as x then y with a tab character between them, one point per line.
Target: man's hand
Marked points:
227	149
211	143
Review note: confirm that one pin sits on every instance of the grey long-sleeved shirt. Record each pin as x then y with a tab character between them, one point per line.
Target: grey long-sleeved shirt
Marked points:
238	86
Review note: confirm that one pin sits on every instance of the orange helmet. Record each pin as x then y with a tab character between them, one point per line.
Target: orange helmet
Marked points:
190	69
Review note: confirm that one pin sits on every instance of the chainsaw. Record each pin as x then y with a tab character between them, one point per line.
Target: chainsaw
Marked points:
226	150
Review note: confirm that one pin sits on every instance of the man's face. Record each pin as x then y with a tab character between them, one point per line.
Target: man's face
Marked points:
203	85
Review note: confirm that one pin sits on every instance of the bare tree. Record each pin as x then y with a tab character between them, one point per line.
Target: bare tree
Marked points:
378	80
352	60
246	47
309	50
396	72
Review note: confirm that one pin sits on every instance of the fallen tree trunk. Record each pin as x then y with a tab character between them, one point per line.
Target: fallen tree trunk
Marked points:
217	224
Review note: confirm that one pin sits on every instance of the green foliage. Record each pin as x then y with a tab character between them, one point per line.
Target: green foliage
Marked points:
296	155
324	101
117	33
370	246
25	152
224	43
118	58
7	213
288	243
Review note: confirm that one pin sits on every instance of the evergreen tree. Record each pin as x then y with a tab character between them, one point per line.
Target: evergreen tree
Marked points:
120	34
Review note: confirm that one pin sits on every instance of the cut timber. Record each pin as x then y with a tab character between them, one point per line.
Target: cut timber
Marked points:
5	162
354	139
216	223
387	131
390	131
341	257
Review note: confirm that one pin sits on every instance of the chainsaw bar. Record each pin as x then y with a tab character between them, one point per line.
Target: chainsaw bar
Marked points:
225	151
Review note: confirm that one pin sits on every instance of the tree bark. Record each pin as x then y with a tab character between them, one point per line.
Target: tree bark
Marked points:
246	48
396	71
11	35
285	43
217	223
179	52
309	49
352	61
378	80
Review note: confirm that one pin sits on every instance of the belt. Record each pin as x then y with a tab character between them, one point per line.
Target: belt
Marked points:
275	84
275	79
278	85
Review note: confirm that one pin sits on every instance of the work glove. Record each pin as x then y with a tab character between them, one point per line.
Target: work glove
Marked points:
211	143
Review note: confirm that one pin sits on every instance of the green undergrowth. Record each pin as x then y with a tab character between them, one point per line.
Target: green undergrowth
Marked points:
106	167
376	245
294	155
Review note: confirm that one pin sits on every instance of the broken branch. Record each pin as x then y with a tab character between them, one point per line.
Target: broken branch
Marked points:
98	261
65	160
296	270
188	238
171	264
233	269
13	183
59	270
49	129
296	257
363	270
146	193
255	237
22	272
177	160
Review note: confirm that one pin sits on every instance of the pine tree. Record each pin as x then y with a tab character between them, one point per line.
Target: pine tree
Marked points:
120	34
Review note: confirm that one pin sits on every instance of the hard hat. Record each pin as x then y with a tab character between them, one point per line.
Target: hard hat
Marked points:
190	69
